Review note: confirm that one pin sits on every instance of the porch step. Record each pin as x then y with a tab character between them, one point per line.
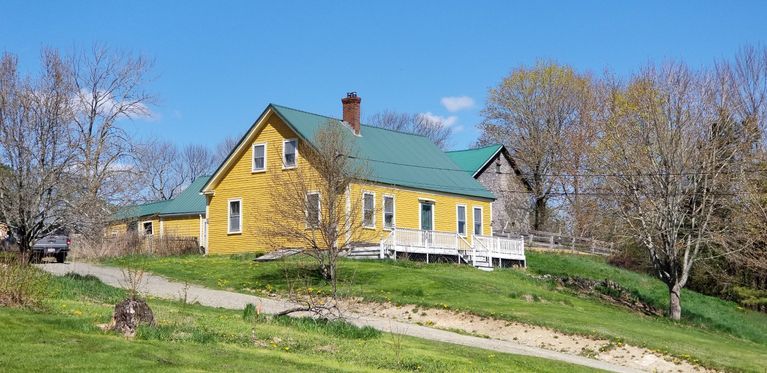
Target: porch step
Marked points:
363	253
275	255
485	266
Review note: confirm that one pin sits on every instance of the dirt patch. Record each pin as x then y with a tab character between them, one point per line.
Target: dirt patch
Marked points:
614	352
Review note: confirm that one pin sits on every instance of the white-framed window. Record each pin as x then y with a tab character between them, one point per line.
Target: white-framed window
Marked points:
368	210
259	157
460	214
147	228
388	212
289	153
234	225
477	220
313	214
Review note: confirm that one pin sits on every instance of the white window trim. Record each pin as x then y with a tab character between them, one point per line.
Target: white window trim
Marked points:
373	226
393	211
431	202
229	216
143	231
284	166
253	158
481	220
465	220
319	208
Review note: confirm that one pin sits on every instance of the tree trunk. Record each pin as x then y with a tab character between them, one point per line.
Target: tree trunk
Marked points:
674	302
539	214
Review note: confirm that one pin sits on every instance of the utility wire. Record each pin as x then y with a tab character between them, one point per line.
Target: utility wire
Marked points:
566	175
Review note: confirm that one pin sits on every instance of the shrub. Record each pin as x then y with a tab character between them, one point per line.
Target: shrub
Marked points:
132	244
21	285
337	328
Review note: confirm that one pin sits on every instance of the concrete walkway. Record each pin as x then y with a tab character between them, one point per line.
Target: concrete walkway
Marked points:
160	287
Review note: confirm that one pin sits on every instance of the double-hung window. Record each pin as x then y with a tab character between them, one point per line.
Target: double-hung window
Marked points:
259	157
235	216
388	212
461	219
312	209
478	220
289	153
368	210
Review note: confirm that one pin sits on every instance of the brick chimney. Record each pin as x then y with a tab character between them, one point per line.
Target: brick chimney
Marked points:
351	105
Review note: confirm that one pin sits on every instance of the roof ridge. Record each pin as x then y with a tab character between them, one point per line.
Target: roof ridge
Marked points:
150	203
393	130
304	111
473	149
341	120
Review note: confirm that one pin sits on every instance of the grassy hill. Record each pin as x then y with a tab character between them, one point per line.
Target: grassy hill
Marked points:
713	332
64	335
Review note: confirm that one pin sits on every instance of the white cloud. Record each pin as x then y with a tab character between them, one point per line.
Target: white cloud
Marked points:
445	121
108	105
457	103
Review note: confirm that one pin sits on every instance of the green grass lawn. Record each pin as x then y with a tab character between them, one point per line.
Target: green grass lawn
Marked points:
64	335
713	332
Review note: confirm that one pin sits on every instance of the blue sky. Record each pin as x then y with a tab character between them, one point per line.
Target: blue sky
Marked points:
218	64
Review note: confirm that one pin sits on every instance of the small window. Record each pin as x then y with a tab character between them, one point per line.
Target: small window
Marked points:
388	213
478	220
147	228
368	210
259	157
289	153
312	209
461	218
235	216
498	166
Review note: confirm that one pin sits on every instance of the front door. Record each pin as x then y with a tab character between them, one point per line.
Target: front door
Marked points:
427	223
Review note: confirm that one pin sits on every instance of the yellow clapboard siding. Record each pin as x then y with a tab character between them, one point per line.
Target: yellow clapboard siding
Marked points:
181	226
253	189
239	182
117	229
407	209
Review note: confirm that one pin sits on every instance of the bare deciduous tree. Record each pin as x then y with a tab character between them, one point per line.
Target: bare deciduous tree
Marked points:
165	170
156	161
39	188
312	208
196	160
108	90
418	124
670	147
223	149
532	112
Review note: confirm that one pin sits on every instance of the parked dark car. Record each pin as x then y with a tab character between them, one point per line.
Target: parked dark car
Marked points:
55	245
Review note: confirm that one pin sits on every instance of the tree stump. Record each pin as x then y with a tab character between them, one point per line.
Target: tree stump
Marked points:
131	313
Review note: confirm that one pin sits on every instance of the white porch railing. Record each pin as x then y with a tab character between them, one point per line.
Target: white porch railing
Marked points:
481	249
501	247
427	239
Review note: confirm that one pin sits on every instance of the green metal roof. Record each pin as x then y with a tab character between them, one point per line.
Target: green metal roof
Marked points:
136	211
190	201
393	157
472	160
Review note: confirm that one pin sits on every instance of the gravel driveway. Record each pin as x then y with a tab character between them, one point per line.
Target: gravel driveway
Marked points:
161	287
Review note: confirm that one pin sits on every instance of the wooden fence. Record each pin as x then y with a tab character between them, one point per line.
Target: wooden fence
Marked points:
555	241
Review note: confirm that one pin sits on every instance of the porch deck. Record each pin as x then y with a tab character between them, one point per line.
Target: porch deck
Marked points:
483	252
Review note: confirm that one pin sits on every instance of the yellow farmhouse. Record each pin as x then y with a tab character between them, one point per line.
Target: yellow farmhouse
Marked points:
423	202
